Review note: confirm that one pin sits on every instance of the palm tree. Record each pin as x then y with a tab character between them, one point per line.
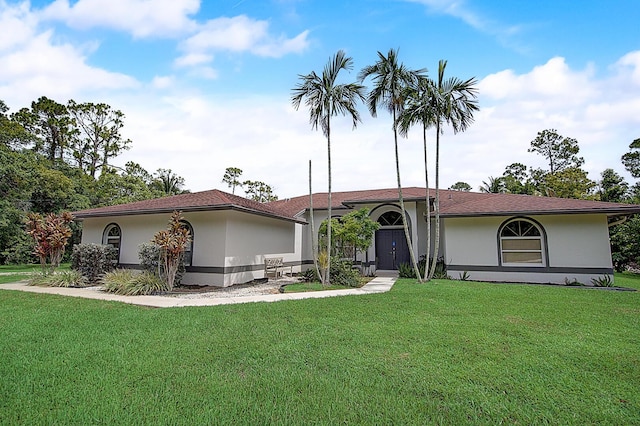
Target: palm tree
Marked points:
325	99
454	102
167	182
418	109
390	80
495	185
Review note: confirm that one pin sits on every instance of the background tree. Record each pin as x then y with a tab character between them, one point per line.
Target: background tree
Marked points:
495	185
325	98
113	187
517	180
460	186
390	82
560	152
232	178
50	125
12	134
565	178
631	160
454	103
259	191
98	137
612	187
166	182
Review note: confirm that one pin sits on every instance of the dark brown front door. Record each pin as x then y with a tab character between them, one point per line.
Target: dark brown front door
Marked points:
391	249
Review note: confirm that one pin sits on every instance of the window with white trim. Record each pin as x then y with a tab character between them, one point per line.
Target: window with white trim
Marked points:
521	243
188	251
112	235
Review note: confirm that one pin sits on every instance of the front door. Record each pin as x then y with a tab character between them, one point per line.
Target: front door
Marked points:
391	248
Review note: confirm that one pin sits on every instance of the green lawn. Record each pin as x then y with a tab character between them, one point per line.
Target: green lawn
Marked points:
447	352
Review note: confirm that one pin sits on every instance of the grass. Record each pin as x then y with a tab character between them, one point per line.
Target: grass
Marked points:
447	352
14	273
314	286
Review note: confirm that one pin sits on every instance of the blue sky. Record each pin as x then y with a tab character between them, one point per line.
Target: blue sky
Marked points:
206	85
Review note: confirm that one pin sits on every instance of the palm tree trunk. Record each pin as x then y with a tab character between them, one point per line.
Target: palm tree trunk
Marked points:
401	199
426	181
314	247
434	261
328	272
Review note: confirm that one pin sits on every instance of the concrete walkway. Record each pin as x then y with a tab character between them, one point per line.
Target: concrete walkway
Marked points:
377	285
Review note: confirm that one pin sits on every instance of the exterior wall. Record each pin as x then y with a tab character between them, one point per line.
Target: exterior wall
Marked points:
417	223
577	248
228	247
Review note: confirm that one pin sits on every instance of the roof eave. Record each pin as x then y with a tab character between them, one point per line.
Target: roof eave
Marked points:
608	212
233	207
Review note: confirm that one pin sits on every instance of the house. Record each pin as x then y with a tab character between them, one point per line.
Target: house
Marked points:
490	237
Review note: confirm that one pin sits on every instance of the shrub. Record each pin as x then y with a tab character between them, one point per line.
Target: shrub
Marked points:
573	282
172	242
405	270
60	279
94	260
342	273
127	282
149	257
50	235
603	281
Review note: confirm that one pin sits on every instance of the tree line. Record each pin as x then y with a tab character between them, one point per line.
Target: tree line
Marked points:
58	157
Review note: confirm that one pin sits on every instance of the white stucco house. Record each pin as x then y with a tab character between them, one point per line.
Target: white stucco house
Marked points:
491	237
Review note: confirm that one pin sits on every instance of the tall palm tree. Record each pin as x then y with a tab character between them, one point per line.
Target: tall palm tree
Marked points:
325	99
454	102
390	80
418	109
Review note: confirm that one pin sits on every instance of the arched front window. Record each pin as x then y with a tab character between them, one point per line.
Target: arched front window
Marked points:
112	235
391	218
522	243
188	252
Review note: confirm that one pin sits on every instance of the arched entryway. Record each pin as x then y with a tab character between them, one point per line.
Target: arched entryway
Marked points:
391	243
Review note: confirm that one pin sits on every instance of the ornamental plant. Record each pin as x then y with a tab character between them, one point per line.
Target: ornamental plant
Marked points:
50	235
172	242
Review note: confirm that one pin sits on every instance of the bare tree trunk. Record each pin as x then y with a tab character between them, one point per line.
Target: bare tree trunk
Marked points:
401	199
328	272
426	181
437	205
314	247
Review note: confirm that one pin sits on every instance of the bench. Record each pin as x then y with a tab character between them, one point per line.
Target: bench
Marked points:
275	265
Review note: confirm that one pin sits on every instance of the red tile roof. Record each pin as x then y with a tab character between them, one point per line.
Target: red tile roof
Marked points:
196	201
452	204
460	203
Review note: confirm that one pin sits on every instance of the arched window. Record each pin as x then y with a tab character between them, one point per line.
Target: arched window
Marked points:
188	252
521	243
112	235
391	218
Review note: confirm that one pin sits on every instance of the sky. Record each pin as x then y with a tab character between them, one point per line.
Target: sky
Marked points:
206	85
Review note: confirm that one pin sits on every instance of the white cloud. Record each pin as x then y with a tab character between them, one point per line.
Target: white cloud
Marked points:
34	65
40	67
141	18
243	34
162	82
17	23
193	59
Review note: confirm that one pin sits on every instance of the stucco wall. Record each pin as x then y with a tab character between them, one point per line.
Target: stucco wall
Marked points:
577	248
228	247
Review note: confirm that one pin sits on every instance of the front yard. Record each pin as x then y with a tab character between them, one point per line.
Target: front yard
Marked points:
447	352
